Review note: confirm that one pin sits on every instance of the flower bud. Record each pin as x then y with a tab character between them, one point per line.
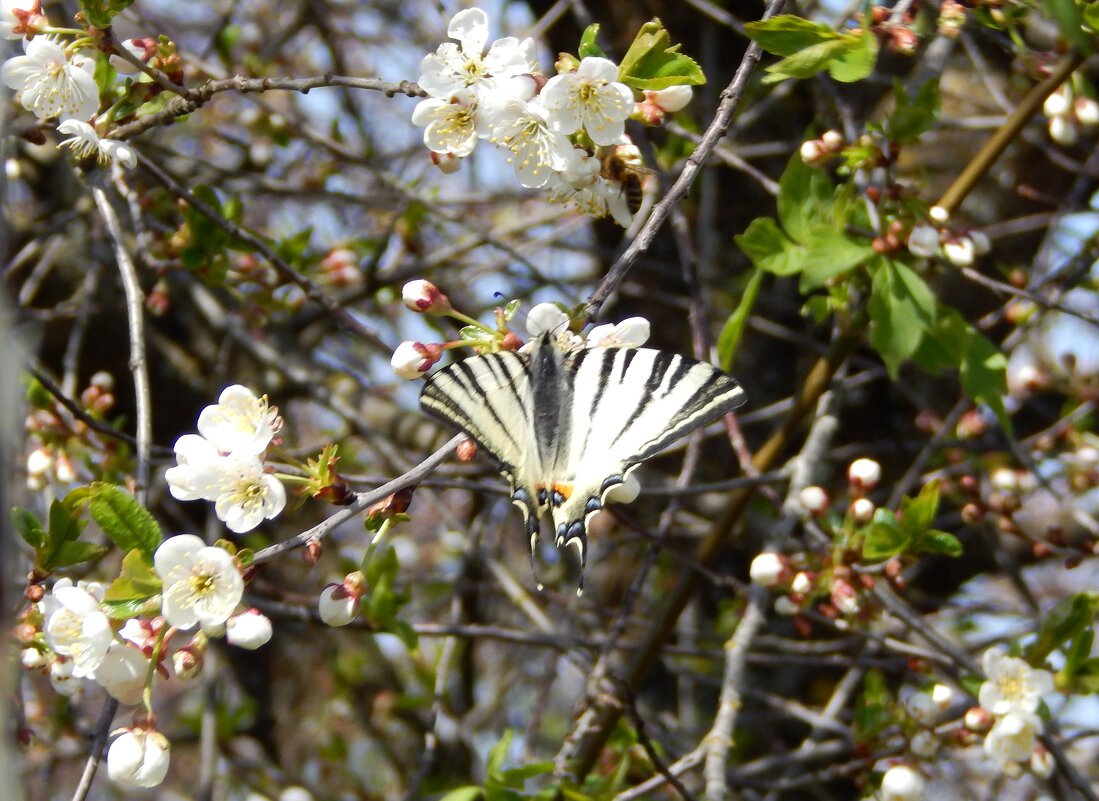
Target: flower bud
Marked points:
864	474
981	243
924	744
901	783
938	214
862	510
64	469
802	583
186	662
922	708
814	500
977	719
248	630
447	163
1086	111
768	569
786	607
959	252
1062	131
1058	103
1041	762
923	240
33	659
845	598
467	449
832	141
424	297
943	695
39	462
337	606
138	758
672	99
813	152
412	359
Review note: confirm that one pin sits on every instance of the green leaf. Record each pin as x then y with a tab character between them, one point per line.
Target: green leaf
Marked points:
913	116
128	524
1070	20
882	537
1065	622
806	63
733	329
1086	677
830	253
652	62
494	764
769	249
1091	15
136	585
75	553
464	794
786	34
940	543
511	308
917	514
872	709
28	526
857	59
63	528
805	198
984	374
943	345
588	47
99	13
902	309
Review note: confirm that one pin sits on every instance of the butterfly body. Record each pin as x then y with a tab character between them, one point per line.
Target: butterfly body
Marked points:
567	427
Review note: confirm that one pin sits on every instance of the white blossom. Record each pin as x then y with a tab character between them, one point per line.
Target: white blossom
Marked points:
466	65
537	151
138	49
450	124
201	582
959	252
943	695
248	630
123	673
802	583
1012	685
924	744
581	185
1012	738
8	19
337	607
767	569
630	333
590	98
862	510
901	783
922	708
1041	762
244	495
138	758
33	658
240	422
85	143
50	84
78	629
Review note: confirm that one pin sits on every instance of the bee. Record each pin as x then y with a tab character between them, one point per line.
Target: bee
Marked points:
622	163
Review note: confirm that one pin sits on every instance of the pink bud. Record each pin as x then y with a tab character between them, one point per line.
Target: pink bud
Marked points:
447	163
412	359
423	296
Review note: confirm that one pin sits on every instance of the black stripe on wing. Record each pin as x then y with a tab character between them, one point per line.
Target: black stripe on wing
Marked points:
484	397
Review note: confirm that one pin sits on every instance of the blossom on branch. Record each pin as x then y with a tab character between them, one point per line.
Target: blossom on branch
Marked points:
240	422
139	758
466	65
201	583
590	98
78	629
85	143
50	83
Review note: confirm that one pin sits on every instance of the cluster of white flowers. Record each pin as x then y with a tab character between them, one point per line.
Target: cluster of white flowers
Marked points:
565	135
1068	113
926	240
202	586
1012	693
223	463
54	80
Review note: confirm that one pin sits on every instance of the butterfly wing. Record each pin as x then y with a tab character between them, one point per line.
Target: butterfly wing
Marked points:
491	398
628	404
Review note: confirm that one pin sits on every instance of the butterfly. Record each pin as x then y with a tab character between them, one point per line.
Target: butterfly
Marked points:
566	427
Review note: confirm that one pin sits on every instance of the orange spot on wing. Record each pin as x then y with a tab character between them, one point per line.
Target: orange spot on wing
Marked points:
563	488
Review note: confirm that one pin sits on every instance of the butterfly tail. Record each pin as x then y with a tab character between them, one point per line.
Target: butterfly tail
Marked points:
532	535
